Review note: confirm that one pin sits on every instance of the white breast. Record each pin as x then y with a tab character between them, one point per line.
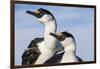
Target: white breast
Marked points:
69	57
45	53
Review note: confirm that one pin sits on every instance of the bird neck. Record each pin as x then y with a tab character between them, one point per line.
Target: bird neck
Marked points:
71	48
50	27
69	55
50	41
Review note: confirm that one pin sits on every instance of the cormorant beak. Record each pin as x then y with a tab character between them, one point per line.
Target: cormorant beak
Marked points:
54	35
35	13
59	36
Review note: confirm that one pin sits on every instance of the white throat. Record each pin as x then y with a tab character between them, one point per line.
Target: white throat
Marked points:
50	27
50	41
69	55
70	48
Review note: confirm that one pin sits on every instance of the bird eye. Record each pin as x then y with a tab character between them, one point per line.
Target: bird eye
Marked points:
41	13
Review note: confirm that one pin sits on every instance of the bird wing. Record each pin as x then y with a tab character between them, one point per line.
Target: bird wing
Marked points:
32	53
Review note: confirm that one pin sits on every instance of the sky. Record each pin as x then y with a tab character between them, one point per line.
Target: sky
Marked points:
77	21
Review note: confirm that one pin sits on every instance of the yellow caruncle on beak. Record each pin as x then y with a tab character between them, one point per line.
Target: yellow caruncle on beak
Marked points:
37	12
59	34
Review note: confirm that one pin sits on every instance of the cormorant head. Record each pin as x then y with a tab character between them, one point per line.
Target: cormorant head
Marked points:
43	15
64	37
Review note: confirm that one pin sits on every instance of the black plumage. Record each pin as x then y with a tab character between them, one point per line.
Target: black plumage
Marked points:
32	53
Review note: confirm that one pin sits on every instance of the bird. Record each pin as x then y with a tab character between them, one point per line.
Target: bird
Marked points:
47	46
67	41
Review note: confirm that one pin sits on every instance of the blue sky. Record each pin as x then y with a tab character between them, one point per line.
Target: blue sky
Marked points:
78	21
